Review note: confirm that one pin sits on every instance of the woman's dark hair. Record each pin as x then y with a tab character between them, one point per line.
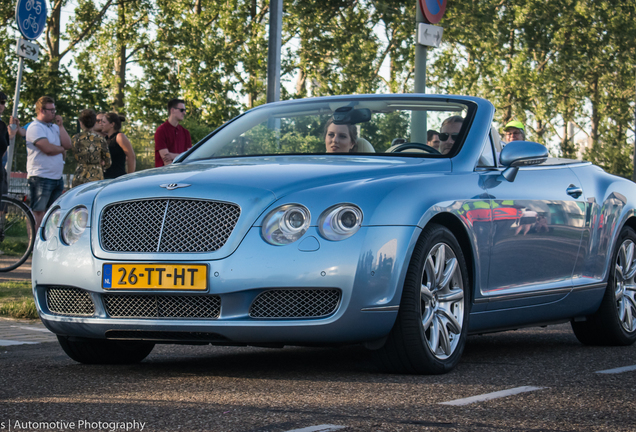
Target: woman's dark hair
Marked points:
116	119
88	118
353	133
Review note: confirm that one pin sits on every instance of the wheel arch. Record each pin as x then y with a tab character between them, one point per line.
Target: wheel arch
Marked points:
454	224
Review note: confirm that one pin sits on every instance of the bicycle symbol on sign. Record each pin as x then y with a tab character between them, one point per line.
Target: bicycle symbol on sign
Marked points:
33	4
31	23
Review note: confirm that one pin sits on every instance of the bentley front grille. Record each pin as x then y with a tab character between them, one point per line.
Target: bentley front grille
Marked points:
295	303
162	306
69	301
167	225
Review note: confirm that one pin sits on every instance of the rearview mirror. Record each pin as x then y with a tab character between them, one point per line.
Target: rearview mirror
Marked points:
349	115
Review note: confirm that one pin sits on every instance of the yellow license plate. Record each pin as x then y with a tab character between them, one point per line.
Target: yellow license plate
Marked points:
155	276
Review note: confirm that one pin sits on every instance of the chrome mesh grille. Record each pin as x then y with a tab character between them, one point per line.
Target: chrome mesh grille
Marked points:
167	225
162	306
69	301
295	303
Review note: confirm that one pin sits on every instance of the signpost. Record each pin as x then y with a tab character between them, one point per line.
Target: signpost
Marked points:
30	16
426	12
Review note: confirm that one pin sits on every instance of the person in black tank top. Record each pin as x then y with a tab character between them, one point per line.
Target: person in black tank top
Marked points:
121	151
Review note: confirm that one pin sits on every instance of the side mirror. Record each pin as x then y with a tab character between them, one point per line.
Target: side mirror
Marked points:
521	153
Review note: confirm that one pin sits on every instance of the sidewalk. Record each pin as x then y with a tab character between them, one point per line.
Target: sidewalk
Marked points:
21	332
21	273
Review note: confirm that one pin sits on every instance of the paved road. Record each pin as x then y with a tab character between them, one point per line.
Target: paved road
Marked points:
529	380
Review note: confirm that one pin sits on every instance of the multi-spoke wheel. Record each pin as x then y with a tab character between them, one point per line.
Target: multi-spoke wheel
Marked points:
17	233
430	332
615	321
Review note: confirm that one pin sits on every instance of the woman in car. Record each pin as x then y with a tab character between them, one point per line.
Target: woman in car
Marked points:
341	138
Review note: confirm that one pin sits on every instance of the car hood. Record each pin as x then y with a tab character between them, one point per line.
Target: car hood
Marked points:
254	183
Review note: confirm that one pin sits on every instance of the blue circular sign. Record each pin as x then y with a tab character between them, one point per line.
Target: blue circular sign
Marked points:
31	17
433	10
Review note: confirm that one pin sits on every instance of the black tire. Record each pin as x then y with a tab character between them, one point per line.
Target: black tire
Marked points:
103	351
17	233
425	308
614	323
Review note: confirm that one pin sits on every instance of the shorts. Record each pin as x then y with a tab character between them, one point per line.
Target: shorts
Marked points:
44	192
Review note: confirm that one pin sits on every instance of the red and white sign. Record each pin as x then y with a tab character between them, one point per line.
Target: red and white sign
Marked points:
433	10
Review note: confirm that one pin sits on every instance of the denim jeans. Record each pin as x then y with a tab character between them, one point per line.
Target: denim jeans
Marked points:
44	192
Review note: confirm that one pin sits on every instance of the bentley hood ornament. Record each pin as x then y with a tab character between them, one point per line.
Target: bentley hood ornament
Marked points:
173	186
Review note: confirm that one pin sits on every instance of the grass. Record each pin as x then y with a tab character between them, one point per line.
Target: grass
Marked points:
16	300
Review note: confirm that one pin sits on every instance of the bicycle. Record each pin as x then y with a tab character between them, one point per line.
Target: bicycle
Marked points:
31	4
17	233
31	23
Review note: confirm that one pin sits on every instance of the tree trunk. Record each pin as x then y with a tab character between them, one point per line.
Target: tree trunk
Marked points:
120	61
53	36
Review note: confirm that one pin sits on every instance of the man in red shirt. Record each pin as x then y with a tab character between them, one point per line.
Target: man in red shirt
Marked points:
172	139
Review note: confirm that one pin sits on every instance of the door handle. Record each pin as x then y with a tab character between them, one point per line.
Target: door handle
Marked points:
574	191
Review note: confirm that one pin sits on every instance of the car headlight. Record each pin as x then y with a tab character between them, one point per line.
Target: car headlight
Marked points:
74	224
285	224
340	221
52	222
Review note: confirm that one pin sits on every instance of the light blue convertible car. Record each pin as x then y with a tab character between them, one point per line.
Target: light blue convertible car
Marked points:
332	221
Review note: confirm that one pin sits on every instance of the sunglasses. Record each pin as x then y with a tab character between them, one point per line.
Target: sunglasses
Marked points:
2	102
445	136
181	109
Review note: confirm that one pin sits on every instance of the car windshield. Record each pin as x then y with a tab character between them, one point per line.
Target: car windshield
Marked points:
364	125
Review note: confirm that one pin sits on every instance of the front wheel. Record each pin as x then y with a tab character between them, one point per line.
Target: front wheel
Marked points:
615	321
431	327
103	351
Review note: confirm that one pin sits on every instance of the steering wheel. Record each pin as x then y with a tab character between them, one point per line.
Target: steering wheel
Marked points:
415	145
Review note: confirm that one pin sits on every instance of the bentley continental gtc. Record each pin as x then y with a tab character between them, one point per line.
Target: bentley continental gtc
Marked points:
332	221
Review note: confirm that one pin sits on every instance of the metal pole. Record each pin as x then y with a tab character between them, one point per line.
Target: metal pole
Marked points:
634	161
274	48
16	100
418	118
420	54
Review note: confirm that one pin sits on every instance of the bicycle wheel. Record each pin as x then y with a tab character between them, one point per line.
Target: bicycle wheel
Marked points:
17	233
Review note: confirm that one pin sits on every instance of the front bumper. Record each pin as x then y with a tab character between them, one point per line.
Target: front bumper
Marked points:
367	269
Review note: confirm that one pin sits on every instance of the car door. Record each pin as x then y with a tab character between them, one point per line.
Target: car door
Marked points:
538	223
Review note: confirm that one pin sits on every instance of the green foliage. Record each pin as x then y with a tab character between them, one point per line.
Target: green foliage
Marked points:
547	64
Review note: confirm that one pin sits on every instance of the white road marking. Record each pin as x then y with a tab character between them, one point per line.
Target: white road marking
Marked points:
33	329
10	342
489	396
319	428
617	370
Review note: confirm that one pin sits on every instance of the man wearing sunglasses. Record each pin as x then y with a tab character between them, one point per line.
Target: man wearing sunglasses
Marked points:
449	133
172	139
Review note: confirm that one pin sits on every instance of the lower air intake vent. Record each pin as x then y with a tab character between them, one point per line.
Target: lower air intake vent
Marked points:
295	303
69	301
164	336
162	306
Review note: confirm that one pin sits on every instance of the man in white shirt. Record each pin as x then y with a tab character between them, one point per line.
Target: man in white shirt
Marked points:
47	142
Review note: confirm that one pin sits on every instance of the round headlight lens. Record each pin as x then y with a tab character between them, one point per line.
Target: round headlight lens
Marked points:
285	224
52	222
74	225
340	222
